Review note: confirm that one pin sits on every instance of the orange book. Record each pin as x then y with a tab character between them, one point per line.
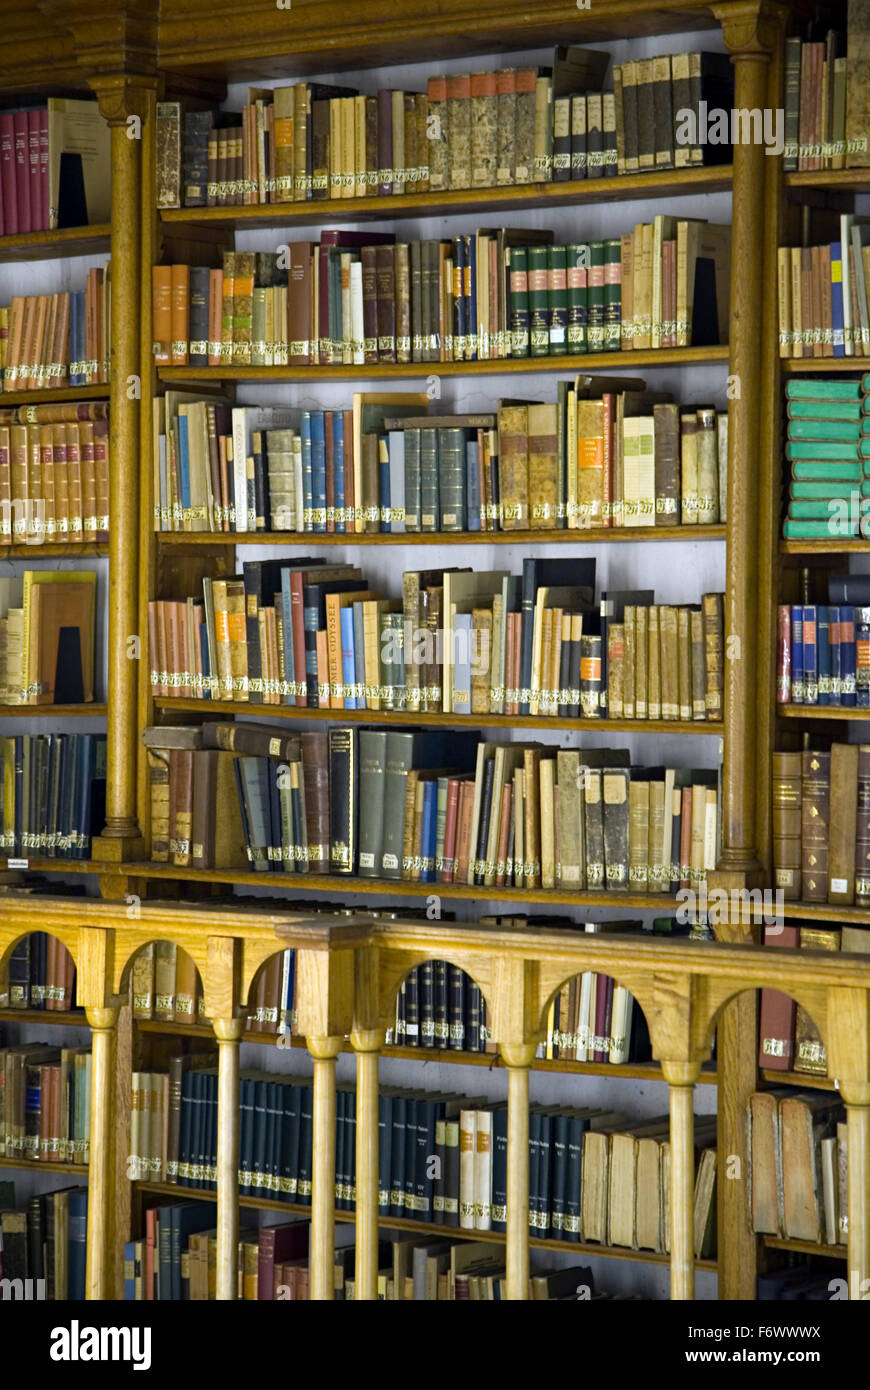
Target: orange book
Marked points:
5	487
101	474
74	476
89	481
61	483
322	669
215	313
161	314
180	315
46	458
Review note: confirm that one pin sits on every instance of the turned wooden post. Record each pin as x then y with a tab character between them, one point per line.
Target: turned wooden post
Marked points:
681	1078
322	1259
228	1032
857	1098
367	1044
517	1057
102	1022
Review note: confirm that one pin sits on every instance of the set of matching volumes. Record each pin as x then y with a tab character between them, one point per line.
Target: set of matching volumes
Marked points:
827	123
823	301
829	457
823	650
53	794
55	165
167	987
41	974
439	1006
62	339
821	824
47	637
54	473
45	1103
44	1241
606	452
512	126
362	298
788	1038
797	1150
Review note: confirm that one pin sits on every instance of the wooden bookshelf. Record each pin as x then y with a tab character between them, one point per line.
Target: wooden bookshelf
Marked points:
798	1078
67	1018
589	536
67	551
797	366
847	545
804	1247
47	245
48	394
91	710
34	1165
846	713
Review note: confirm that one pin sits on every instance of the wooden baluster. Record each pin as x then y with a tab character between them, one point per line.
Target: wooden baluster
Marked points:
681	1078
517	1058
322	1259
857	1097
102	1024
228	1032
367	1044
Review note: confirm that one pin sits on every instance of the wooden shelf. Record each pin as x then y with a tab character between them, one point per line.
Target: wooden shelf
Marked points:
798	1078
33	1165
395	371
432	1228
798	365
66	241
464	721
53	552
844	546
591	535
347	884
58	866
67	1018
828	912
845	712
805	1247
627	1071
456	201
55	393
87	711
849	180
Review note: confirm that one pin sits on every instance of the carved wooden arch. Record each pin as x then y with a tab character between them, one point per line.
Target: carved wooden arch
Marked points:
812	997
10	936
255	956
129	941
393	967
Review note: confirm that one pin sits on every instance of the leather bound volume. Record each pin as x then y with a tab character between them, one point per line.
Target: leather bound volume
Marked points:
776	1019
667	464
844	811
385	141
862	829
810	1053
615	799
815	824
181	805
161	314
459	137
513	465
543	466
315	768
180	313
217	837
343	781
158	782
386	302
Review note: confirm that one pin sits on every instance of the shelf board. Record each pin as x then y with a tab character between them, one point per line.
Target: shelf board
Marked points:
33	1165
798	1078
805	1247
455	201
628	1071
798	365
847	712
849	180
58	866
828	912
473	721
55	393
348	884
591	535
400	371
67	1018
86	711
399	1223
844	546
66	241
52	552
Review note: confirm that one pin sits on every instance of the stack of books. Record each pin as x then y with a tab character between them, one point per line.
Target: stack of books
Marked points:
826	448
798	1166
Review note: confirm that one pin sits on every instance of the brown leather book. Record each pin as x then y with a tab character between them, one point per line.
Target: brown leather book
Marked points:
684	663
179	315
809	1048
513	437
368	258
714	643
862	829
89	481
403	301
315	767
186	987
844	812
386	291
815	819
217	836
180	805
143	981
301	329
667	464
801	1173
46	458
74	477
164	980
61	482
158	784
101	477
5	487
161	314
532	827
765	1153
777	1011
271	973
786	792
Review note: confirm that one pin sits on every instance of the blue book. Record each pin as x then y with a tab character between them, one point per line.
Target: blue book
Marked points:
348	658
289	650
359	654
384	490
862	649
77	1243
836	652
462	633
130	1271
797	654
338	485
307	481
74	378
205	694
837	298
318	471
823	653
472	487
396	451
290	997
848	654
428	832
811	670
184	1220
184	466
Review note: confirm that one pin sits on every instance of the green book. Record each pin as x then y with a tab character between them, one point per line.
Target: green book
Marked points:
829	509
847	431
812	389
612	295
557	298
824	410
539	303
519	301
813	530
578	308
818	491
838	451
839	471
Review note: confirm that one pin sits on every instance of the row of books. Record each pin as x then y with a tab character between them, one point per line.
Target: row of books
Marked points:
44	1242
45	1103
55	167
828	453
821	824
798	1166
439	1006
825	121
606	452
52	340
54	473
47	637
41	974
510	126
594	1019
488	814
467	643
823	305
817	646
788	1037
361	297
54	794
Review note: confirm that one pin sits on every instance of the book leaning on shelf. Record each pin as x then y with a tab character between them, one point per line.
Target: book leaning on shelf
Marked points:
439	808
44	1242
606	452
359	297
45	1103
511	126
798	1160
52	340
821	825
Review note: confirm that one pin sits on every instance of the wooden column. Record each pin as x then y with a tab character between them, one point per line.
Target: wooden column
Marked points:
517	1057
322	1261
124	102
367	1044
228	1032
681	1078
736	1031
857	1100
102	1022
749	32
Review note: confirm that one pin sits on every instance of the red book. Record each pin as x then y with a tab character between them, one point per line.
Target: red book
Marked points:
776	1016
328	425
277	1244
686	833
45	211
783	655
150	1243
349	498
22	179
350	240
8	200
450	821
33	172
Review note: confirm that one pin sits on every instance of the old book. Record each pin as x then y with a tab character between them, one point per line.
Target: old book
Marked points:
857	83
802	1121
862	829
815	821
810	1053
513	462
786	792
841	836
776	1020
